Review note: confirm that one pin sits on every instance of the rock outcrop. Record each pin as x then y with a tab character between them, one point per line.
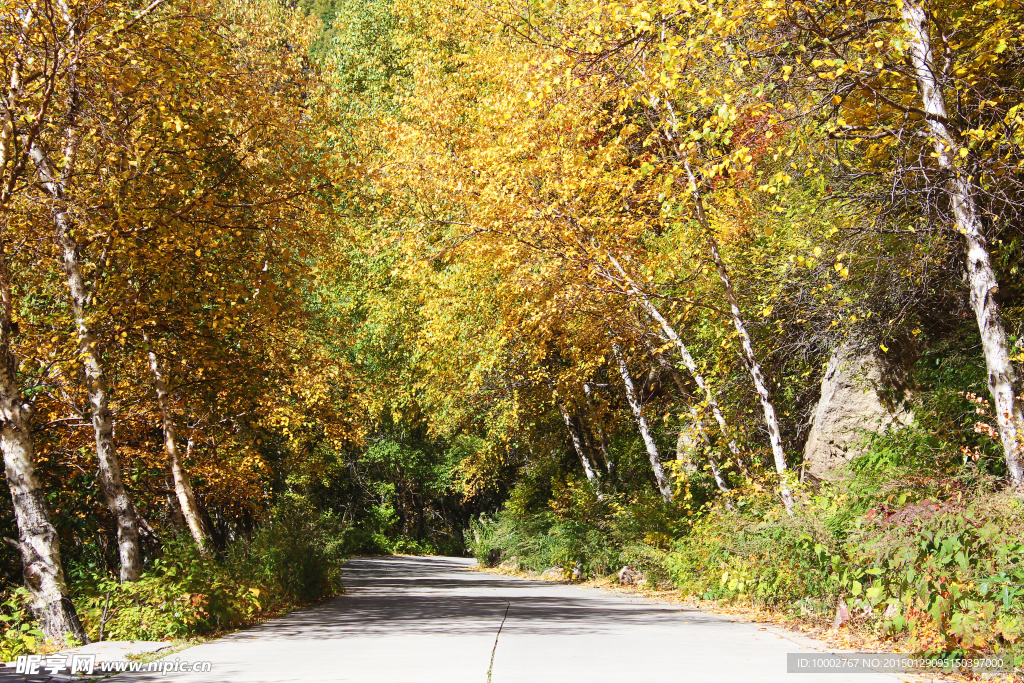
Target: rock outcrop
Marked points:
688	448
856	402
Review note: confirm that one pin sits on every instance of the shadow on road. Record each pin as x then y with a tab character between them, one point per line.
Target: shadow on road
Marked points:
429	620
430	596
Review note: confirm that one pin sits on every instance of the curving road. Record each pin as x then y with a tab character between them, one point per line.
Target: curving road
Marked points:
429	620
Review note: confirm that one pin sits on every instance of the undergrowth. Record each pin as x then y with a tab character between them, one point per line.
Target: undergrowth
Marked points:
933	562
293	559
18	633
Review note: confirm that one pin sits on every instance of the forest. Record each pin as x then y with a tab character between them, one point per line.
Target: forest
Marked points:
725	293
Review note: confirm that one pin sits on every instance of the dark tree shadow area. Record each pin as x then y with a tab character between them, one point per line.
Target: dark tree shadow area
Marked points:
438	595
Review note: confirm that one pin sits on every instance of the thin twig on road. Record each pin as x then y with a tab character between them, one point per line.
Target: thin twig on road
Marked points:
496	636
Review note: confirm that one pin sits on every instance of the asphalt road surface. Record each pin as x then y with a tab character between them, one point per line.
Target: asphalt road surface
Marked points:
429	620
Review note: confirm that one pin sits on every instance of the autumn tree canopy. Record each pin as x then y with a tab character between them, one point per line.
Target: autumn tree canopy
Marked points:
417	262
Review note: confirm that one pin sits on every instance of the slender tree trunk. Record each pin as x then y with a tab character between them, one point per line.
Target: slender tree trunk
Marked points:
420	517
684	451
577	443
716	471
774	434
182	488
684	353
980	273
118	501
173	508
697	423
664	485
602	437
681	448
95	379
38	543
588	443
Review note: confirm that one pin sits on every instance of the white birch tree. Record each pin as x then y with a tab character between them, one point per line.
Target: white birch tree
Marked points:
664	484
38	543
981	276
182	488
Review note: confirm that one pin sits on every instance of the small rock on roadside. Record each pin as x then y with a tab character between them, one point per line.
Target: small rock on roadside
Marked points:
553	573
628	576
842	614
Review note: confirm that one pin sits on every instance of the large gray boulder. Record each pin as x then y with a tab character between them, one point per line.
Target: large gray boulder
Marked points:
856	402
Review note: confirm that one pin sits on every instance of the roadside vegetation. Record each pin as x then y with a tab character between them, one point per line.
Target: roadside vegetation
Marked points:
933	568
559	283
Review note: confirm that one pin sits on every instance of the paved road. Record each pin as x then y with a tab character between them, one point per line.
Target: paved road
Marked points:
429	620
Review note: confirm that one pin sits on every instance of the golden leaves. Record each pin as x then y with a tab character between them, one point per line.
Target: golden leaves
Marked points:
186	185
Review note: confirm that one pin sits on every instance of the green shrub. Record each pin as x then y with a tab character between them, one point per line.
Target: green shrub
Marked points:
364	541
297	555
934	558
20	634
293	559
756	553
943	570
180	594
579	532
950	574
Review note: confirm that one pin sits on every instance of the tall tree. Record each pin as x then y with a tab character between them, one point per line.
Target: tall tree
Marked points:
38	543
938	124
664	484
981	275
182	487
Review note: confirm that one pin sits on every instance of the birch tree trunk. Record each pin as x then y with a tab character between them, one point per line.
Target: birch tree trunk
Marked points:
588	445
182	488
980	273
716	471
753	367
95	378
577	443
681	456
602	437
664	485
684	353
38	543
698	425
